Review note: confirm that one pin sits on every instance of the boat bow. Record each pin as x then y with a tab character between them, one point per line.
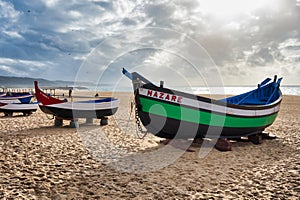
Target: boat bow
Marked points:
43	98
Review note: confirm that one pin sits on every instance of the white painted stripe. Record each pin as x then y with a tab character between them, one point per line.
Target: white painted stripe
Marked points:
213	107
87	106
15	97
10	101
19	106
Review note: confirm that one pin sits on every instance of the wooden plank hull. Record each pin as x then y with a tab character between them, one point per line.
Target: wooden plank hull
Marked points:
168	114
166	127
72	113
173	114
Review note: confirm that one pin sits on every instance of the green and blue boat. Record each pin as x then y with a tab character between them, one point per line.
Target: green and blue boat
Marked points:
172	114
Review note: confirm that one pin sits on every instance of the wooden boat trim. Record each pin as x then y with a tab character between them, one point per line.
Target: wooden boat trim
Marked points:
217	108
211	101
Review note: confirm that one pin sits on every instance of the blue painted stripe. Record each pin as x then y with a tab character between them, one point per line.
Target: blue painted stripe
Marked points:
98	100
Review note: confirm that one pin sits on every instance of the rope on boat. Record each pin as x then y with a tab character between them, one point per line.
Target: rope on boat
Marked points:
139	129
138	122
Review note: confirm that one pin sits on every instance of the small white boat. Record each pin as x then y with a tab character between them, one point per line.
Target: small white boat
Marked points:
9	108
16	97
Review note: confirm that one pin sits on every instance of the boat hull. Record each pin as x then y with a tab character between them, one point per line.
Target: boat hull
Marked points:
65	113
98	108
24	108
173	114
168	114
182	129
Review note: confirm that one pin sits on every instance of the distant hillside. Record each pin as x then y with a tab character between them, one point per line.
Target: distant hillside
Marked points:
24	82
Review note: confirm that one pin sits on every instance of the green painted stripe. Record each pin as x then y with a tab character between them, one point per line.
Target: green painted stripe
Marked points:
202	117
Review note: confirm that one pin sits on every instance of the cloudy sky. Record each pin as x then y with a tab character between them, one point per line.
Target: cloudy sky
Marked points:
239	42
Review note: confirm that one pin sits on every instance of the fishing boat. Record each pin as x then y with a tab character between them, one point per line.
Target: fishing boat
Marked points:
61	109
169	113
23	98
9	108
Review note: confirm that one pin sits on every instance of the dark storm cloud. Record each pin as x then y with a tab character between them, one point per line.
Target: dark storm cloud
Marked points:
57	36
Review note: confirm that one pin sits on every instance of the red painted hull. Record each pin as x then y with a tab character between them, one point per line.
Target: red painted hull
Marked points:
43	98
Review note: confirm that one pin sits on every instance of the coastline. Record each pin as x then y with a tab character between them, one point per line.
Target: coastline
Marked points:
39	161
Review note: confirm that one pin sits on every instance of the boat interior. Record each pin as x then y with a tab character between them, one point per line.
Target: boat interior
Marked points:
266	93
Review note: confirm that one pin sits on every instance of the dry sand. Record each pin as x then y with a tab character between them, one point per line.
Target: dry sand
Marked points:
39	161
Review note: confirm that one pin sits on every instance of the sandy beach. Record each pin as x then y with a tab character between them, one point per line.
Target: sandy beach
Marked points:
39	161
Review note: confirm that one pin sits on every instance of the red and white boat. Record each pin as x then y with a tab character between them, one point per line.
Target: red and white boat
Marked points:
99	108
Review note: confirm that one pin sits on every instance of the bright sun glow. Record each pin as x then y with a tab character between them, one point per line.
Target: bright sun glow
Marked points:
228	8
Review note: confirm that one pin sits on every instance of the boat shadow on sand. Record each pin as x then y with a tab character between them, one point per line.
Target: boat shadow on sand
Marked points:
19	115
219	144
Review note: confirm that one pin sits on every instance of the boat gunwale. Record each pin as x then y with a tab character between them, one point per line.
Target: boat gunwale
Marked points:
213	101
72	105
